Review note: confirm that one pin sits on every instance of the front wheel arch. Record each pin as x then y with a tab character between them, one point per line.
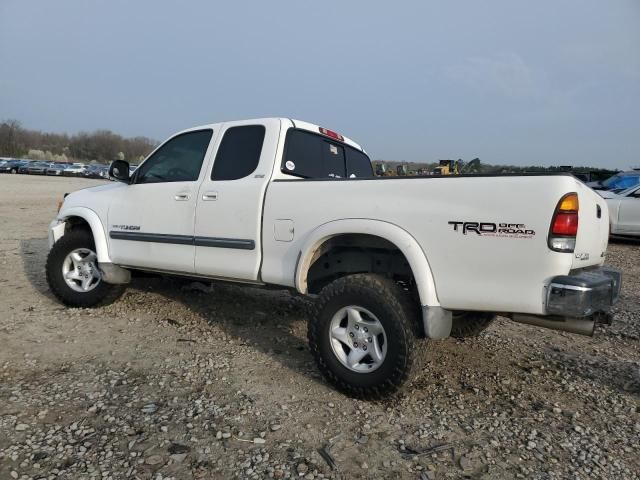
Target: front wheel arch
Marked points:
85	216
69	289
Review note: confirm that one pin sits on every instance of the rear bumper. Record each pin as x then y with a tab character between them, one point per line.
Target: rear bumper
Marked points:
583	294
576	302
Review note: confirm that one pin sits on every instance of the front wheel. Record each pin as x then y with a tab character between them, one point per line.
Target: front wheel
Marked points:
362	333
73	274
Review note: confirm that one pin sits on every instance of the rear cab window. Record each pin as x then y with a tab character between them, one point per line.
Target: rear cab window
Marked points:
311	155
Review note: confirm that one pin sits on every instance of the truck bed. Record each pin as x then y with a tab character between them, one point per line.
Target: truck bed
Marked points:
484	236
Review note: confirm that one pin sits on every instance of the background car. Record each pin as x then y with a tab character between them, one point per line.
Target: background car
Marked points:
618	182
95	171
624	212
11	166
24	168
38	168
56	169
75	169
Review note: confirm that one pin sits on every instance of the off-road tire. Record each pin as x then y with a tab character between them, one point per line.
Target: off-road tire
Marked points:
101	295
470	324
394	310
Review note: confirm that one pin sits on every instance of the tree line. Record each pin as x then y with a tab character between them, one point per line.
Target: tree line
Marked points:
102	146
105	146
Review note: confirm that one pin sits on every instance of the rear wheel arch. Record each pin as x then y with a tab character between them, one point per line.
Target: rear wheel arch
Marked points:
375	234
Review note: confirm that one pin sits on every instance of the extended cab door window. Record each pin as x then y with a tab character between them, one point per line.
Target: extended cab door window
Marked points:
178	160
239	152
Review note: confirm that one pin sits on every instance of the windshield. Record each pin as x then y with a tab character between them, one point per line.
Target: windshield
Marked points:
621	182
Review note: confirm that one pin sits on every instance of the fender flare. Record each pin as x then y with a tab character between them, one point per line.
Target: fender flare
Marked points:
402	239
97	229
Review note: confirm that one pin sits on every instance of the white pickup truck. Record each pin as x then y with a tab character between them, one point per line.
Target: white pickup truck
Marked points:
388	260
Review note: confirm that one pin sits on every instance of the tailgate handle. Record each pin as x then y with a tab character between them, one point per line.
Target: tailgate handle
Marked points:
598	211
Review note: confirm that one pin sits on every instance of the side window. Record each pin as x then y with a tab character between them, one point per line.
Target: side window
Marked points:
358	164
313	156
239	152
178	160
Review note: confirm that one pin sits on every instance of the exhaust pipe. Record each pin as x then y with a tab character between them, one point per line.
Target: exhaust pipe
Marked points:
581	326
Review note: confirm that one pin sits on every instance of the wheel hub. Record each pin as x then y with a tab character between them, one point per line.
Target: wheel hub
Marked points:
80	271
358	339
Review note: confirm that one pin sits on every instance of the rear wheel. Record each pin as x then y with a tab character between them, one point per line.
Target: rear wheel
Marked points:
362	334
470	324
73	274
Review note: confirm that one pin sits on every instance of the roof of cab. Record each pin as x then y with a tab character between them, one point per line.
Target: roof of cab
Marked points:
300	124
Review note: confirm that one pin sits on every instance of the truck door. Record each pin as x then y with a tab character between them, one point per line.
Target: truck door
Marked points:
150	221
229	209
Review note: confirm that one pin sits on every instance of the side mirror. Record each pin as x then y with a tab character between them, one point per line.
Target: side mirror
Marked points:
119	169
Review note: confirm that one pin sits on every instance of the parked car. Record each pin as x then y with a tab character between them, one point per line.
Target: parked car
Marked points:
56	169
286	203
618	182
38	168
92	171
624	212
11	166
25	166
75	169
96	171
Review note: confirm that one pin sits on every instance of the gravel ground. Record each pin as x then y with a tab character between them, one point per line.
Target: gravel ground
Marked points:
186	380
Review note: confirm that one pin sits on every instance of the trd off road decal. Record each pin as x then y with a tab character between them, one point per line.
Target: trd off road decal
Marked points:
490	229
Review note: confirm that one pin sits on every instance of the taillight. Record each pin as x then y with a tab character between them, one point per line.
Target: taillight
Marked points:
331	133
564	225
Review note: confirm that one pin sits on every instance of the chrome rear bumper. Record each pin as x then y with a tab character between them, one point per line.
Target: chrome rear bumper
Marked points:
583	294
577	302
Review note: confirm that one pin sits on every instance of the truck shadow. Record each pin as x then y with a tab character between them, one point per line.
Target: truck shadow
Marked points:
619	375
625	240
274	322
34	256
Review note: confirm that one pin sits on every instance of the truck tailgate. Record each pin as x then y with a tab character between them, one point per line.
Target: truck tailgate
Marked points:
593	228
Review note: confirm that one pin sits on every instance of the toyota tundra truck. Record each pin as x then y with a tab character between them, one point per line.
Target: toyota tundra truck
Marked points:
388	262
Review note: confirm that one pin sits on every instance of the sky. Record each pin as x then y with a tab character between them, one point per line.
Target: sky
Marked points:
546	82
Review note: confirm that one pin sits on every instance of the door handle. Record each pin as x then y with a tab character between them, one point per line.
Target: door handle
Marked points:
210	196
182	197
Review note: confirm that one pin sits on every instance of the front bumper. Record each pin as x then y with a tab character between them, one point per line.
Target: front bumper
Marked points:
584	293
56	230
